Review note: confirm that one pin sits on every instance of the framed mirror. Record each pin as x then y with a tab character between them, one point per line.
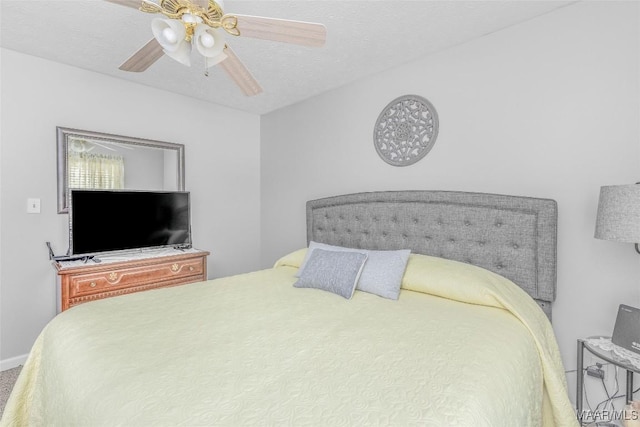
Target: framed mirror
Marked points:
103	161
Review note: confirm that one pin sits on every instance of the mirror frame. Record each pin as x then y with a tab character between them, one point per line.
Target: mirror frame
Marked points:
63	135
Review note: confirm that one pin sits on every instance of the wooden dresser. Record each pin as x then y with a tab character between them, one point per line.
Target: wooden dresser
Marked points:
80	282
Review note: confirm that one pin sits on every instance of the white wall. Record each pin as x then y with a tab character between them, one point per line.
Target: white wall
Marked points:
548	108
37	96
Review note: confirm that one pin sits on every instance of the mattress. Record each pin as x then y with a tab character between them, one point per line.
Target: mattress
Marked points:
254	350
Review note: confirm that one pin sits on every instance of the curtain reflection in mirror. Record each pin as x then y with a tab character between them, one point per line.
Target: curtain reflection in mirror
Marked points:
100	171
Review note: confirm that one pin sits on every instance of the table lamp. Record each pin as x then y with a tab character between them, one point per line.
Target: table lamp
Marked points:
619	214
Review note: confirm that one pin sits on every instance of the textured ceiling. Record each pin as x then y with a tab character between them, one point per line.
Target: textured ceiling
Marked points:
364	38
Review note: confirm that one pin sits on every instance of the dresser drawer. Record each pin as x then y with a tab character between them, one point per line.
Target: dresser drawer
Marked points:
116	278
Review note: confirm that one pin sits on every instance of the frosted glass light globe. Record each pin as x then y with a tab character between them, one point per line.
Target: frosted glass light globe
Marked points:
169	35
207	40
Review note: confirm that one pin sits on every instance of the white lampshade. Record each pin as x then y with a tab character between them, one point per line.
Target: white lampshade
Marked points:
210	43
160	26
619	213
171	34
182	54
210	62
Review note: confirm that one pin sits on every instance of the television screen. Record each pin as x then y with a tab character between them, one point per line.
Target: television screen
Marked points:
115	220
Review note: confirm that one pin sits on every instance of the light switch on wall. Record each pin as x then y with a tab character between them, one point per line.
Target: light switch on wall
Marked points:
33	206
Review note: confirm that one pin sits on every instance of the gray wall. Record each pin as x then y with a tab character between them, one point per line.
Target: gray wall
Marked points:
37	96
548	108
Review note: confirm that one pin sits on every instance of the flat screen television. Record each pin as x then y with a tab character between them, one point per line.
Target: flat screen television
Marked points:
119	220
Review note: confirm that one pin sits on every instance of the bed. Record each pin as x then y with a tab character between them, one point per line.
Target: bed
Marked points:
461	345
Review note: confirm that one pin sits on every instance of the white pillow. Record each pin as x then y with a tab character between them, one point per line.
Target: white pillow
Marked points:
382	274
332	271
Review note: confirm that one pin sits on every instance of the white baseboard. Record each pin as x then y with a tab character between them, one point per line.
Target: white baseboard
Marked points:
13	362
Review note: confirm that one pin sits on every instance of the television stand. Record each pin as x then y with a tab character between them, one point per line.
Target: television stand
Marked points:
80	282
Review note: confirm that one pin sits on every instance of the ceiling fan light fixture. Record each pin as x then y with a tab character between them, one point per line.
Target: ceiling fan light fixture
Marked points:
182	54
210	42
204	24
169	33
207	40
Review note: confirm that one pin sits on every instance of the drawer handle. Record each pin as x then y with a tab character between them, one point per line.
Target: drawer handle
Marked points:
92	284
175	267
191	268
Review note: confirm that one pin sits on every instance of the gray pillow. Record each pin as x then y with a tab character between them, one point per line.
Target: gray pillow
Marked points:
382	274
332	271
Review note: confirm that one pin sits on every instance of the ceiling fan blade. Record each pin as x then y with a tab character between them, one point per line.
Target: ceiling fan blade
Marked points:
239	73
129	3
282	30
144	57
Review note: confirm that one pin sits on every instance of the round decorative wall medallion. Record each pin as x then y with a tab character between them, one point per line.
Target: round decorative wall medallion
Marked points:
406	130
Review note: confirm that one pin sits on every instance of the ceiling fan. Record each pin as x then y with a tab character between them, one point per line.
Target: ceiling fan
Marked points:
203	24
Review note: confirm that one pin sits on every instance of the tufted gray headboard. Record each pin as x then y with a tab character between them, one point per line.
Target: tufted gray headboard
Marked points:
510	235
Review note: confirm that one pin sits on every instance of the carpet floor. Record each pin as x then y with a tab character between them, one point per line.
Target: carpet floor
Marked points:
7	380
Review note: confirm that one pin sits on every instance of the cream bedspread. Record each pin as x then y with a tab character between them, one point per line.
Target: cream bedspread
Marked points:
253	350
